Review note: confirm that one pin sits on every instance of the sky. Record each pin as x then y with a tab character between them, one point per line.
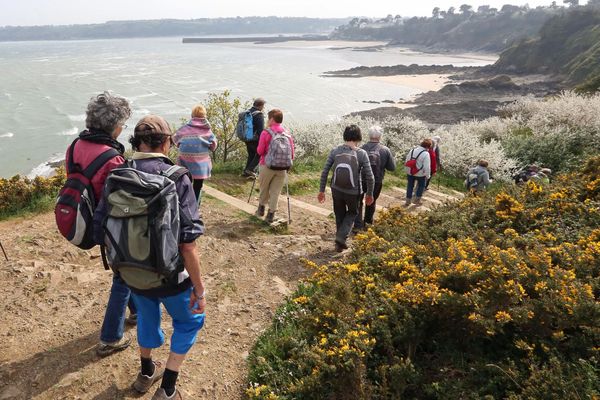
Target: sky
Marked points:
62	12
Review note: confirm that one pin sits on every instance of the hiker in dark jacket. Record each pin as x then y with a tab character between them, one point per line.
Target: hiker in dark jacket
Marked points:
478	178
105	121
381	159
349	163
183	295
258	125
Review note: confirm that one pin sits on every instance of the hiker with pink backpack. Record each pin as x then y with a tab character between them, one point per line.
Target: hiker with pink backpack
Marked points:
276	150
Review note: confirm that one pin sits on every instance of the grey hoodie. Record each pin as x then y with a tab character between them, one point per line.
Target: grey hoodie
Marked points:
364	170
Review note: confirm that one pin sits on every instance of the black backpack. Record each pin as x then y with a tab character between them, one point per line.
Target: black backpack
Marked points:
375	161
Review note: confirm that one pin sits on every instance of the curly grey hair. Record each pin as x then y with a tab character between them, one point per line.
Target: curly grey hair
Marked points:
106	112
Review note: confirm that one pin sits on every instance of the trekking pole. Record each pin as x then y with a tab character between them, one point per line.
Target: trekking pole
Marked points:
287	190
2	247
252	189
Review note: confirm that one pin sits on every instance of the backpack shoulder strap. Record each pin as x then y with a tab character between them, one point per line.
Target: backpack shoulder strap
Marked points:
175	173
99	162
270	132
72	166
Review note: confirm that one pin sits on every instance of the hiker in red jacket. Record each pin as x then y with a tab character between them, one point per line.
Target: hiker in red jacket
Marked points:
105	121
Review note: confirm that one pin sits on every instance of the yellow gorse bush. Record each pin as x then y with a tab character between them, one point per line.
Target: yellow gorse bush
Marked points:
18	192
441	306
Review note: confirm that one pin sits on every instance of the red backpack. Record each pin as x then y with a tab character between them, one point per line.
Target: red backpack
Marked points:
412	163
76	203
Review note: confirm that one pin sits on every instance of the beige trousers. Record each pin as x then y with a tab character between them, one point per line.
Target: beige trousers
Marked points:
270	183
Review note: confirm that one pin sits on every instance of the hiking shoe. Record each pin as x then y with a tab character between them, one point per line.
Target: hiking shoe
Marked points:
106	349
143	383
407	202
161	395
270	217
417	201
248	174
260	212
339	247
131	320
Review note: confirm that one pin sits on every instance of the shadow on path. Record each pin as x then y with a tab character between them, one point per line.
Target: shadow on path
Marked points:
31	377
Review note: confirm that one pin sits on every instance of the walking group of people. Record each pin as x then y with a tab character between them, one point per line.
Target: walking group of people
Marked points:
144	212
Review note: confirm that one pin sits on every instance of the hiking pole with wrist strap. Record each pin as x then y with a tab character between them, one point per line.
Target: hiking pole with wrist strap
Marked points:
252	189
287	190
2	247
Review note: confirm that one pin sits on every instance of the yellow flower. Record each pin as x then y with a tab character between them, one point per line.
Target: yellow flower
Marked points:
503	317
301	300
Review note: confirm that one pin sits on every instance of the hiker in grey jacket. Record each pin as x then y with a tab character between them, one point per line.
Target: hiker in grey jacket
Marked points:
418	170
381	160
478	178
349	163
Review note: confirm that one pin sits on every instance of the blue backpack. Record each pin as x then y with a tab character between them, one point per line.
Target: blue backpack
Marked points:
245	126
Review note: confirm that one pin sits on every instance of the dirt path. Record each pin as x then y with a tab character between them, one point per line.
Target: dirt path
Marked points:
53	298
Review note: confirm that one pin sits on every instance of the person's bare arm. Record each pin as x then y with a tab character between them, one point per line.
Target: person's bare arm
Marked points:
191	263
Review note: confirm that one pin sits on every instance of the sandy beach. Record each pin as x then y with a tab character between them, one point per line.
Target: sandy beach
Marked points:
333	44
424	83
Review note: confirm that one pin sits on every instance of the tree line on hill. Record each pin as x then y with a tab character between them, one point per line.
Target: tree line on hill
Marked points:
172	27
567	45
484	29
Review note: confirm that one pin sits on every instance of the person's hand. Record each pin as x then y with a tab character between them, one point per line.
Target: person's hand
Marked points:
197	306
369	200
321	197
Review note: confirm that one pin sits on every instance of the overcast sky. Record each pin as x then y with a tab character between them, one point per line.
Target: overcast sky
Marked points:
58	12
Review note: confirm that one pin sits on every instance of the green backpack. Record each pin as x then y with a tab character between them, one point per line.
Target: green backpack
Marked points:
141	229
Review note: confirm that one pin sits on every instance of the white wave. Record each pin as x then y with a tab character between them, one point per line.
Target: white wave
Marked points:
77	118
142	96
7	135
8	95
45	169
69	132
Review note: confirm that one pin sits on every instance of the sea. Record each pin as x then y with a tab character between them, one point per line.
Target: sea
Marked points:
45	86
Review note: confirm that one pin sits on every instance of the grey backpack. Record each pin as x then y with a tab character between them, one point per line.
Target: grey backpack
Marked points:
473	179
141	228
279	154
345	171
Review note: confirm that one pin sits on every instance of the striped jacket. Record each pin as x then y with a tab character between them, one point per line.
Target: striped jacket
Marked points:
195	141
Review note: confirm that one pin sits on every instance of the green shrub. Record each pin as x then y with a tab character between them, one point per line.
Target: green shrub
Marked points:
21	195
492	297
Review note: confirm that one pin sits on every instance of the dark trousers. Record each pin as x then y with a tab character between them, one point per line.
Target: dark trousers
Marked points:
410	185
359	222
198	183
253	156
428	182
345	208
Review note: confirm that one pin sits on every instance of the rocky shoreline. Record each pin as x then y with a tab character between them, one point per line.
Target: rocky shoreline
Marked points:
476	92
413	69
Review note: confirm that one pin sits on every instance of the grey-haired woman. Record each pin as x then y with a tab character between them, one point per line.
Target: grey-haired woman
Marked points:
105	120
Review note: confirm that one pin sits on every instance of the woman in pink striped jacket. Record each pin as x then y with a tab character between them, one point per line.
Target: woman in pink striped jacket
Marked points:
195	141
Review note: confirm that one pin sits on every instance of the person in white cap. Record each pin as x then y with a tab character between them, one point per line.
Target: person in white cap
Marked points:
381	159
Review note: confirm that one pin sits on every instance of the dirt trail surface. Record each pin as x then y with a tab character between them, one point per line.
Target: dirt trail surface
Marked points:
53	299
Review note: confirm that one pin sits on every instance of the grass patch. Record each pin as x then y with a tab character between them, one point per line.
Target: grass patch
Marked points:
37	205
